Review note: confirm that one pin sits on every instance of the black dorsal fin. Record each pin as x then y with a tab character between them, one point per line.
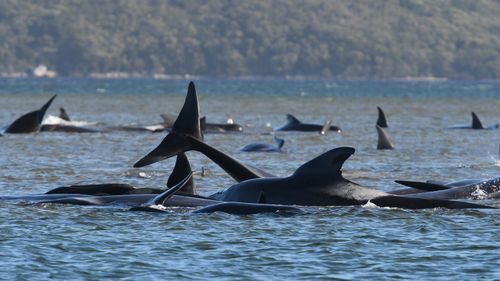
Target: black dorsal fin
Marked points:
327	165
476	123
383	140
291	119
181	169
63	114
279	142
381	120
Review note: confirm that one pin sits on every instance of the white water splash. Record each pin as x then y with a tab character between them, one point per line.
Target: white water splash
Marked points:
369	205
55	120
479	193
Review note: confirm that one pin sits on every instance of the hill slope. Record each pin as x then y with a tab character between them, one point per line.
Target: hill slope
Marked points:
344	39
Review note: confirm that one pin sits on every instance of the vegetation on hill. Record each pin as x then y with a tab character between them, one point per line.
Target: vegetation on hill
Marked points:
457	39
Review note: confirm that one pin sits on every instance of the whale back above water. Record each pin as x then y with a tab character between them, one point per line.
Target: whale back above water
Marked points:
319	182
293	124
264	147
476	124
66	128
467	189
31	121
230	126
159	203
93	189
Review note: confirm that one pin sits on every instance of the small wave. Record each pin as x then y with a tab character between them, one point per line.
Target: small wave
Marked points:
141	174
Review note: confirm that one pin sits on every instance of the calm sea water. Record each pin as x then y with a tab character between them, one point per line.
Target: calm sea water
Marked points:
46	242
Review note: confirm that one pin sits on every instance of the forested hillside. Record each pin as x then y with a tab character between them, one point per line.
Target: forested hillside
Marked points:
457	39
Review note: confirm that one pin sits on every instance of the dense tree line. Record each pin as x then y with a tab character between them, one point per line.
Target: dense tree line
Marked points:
319	38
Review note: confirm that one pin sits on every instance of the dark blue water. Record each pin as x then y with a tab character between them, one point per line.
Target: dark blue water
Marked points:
46	242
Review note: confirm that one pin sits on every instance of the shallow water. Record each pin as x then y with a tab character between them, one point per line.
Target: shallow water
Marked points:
61	242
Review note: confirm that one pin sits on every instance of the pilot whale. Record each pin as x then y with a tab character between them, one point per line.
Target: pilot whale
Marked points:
293	124
181	169
476	124
264	147
160	202
102	194
29	122
319	182
206	127
123	194
219	127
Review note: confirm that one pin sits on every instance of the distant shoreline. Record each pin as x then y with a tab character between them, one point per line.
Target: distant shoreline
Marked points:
123	75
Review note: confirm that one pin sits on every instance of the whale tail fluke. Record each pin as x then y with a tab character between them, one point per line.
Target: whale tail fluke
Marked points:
29	122
188	121
381	120
476	123
383	140
186	124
